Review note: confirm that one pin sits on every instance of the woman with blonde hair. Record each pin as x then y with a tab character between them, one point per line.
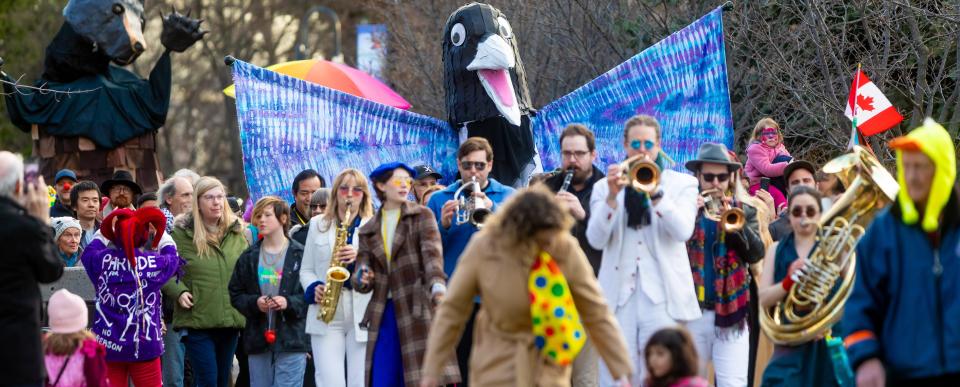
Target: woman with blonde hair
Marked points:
341	338
526	248
210	240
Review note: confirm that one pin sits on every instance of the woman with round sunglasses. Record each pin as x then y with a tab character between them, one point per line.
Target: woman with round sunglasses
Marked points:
808	364
401	262
341	338
767	157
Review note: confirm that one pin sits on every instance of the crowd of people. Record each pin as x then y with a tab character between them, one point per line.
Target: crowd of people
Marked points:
588	277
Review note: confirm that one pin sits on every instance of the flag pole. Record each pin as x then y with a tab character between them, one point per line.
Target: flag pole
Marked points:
854	138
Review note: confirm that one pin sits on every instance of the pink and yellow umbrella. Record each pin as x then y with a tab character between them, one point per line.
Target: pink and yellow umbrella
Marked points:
339	77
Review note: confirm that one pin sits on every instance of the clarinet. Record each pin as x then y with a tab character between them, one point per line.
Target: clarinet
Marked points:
567	177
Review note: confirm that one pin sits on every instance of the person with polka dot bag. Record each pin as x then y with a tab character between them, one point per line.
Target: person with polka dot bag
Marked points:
540	301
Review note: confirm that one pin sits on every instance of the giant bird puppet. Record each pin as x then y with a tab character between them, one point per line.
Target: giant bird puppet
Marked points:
94	117
486	89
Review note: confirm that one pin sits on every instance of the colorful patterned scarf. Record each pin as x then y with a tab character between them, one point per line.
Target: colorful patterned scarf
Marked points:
731	280
557	330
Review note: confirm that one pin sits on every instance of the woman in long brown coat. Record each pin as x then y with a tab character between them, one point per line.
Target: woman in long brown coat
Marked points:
497	266
407	280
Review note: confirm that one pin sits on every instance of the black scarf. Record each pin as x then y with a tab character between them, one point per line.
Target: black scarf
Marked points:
638	203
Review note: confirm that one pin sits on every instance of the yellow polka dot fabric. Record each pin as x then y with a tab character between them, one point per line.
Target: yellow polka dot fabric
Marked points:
557	330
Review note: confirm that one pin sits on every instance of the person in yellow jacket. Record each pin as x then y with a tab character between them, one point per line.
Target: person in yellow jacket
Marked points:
900	323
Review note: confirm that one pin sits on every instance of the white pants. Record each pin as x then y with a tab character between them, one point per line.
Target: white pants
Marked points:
730	354
639	319
339	343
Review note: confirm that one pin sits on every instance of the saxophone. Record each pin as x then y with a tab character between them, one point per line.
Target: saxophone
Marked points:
337	274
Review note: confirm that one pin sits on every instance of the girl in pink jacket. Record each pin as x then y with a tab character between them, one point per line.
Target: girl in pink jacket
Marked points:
767	157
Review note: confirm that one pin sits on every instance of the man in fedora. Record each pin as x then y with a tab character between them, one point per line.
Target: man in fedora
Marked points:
720	255
122	191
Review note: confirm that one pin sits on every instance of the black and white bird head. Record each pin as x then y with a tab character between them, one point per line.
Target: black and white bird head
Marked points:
483	74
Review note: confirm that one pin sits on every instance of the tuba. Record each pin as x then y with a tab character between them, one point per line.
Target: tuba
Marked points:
641	173
717	209
469	209
813	306
337	274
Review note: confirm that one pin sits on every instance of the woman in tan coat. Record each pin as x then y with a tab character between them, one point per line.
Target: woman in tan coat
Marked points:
497	266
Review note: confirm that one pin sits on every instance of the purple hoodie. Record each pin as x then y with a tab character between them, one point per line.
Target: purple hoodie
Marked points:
127	322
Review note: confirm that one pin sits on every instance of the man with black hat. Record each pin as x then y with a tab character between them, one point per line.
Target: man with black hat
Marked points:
798	173
426	177
64	180
122	191
720	253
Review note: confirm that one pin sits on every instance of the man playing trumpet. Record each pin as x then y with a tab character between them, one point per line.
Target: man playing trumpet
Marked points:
642	226
725	241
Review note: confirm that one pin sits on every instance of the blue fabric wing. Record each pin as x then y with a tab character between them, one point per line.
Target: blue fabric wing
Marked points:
681	80
288	125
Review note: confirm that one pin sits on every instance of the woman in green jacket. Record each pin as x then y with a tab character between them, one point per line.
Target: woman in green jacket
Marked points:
209	239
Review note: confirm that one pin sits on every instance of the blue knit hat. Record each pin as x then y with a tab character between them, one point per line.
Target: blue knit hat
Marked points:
389	167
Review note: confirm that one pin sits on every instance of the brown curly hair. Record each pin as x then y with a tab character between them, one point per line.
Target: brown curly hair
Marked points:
527	213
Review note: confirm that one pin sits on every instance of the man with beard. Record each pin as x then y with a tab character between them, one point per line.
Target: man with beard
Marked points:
122	191
578	152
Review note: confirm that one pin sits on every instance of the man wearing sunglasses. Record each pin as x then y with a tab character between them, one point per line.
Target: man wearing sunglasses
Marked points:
720	260
305	184
900	324
645	272
474	159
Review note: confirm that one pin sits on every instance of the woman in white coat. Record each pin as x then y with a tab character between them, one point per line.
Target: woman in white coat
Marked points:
342	338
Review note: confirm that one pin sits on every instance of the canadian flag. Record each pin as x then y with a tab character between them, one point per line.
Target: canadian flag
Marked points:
874	113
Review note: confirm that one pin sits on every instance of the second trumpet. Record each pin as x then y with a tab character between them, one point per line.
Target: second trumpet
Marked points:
716	207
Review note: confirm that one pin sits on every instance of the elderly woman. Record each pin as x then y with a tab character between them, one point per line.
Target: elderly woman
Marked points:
526	249
67	232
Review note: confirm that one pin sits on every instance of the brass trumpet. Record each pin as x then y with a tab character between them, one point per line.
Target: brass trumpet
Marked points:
641	173
718	209
469	208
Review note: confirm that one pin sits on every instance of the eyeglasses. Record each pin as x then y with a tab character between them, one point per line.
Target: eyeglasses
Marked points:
344	190
320	206
120	189
647	144
797	211
213	198
475	165
401	181
574	154
721	177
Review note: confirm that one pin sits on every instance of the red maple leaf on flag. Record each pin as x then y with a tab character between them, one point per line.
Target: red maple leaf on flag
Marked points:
865	102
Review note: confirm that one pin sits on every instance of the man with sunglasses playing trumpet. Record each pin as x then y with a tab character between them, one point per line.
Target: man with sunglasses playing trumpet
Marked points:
725	241
645	273
474	161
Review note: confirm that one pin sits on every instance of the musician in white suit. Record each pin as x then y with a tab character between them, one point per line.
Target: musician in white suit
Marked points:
342	338
645	273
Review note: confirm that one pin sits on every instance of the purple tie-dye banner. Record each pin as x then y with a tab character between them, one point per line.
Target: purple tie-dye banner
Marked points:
288	125
681	80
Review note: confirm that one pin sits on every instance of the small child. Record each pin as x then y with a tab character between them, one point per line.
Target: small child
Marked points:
672	360
768	157
70	352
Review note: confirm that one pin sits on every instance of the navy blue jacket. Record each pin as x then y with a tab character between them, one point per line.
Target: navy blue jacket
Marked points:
456	237
901	311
